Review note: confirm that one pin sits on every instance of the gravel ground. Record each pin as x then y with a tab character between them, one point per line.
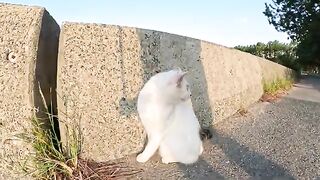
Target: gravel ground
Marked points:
278	140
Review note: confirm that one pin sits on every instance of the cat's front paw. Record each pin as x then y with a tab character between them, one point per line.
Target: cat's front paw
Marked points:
141	158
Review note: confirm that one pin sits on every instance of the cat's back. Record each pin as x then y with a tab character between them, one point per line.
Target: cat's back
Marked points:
152	85
185	123
185	117
182	141
151	91
149	102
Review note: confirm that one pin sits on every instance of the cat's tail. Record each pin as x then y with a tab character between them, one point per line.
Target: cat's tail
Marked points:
205	133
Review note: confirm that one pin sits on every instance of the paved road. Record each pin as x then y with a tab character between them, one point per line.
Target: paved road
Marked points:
307	89
278	140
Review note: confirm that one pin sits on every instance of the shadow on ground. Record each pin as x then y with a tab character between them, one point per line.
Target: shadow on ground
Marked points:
201	170
254	164
309	82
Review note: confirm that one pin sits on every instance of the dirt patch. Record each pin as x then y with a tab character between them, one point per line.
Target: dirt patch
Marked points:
267	97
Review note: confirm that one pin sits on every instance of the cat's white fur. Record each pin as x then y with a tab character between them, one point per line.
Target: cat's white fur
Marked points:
166	112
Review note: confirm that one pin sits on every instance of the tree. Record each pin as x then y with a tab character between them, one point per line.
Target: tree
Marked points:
301	20
281	53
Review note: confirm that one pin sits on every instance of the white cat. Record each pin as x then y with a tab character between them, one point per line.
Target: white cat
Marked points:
166	112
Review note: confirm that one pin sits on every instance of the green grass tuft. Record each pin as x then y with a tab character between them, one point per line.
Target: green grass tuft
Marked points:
52	160
277	85
49	160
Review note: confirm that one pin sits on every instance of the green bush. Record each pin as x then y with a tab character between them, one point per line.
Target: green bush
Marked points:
277	85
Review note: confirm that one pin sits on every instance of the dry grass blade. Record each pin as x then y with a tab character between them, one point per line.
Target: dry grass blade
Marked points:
242	111
276	86
90	170
274	90
54	161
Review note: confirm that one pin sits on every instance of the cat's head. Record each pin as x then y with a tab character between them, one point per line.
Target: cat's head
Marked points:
177	88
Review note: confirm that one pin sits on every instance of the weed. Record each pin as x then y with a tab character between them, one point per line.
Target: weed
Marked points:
242	111
274	90
278	85
53	160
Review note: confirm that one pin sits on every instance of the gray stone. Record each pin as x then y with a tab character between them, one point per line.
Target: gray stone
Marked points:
28	56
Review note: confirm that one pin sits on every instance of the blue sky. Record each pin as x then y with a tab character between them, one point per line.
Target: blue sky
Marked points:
229	23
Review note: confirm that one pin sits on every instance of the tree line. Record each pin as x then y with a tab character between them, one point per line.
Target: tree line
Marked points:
301	21
282	53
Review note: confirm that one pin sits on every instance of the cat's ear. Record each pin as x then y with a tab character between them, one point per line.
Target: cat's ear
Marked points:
180	78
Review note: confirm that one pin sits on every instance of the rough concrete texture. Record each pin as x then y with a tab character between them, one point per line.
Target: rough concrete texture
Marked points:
26	59
272	71
99	75
102	68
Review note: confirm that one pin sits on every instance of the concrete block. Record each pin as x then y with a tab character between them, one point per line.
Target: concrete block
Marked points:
28	54
99	75
272	71
233	80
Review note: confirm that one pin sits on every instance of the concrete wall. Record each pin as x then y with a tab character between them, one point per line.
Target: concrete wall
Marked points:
28	53
272	71
102	68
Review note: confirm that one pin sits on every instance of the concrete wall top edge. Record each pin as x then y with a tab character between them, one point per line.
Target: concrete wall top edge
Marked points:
21	5
42	10
258	57
144	29
66	23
